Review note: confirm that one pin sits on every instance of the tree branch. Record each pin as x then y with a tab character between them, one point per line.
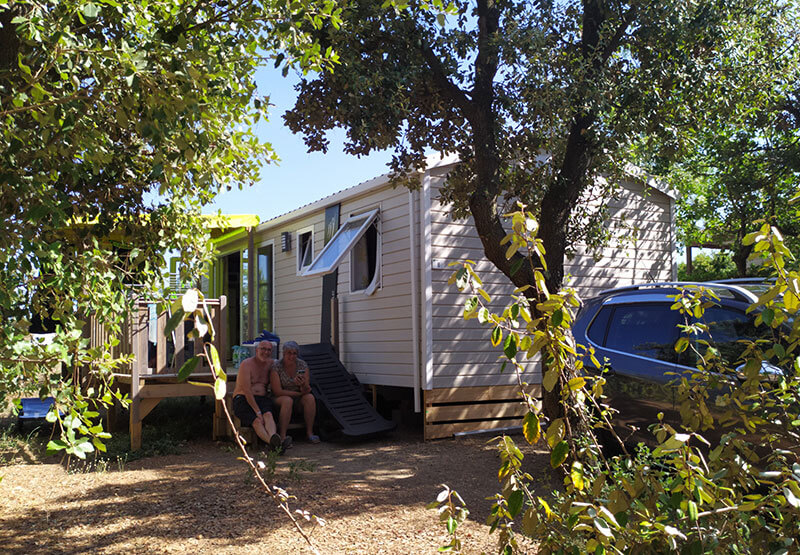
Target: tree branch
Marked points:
448	89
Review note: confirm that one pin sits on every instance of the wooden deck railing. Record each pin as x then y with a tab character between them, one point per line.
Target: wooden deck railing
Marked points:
151	376
158	355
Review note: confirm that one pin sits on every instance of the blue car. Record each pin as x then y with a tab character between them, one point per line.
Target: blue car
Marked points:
634	330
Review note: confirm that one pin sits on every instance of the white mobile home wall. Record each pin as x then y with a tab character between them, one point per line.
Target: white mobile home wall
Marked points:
377	331
642	249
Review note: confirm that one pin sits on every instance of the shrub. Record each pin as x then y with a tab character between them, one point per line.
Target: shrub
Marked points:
686	494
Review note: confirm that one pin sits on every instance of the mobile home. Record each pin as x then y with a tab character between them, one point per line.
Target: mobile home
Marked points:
399	323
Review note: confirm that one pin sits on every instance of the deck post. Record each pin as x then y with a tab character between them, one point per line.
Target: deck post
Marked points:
221	327
219	316
140	347
161	344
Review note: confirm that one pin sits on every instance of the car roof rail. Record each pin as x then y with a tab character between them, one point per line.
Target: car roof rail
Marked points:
738	292
734	281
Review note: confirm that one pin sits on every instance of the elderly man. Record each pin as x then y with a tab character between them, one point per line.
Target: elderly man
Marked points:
251	401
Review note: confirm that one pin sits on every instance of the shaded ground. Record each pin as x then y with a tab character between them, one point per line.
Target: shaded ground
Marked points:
372	495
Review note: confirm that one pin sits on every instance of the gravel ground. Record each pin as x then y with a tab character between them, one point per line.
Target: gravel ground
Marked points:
371	494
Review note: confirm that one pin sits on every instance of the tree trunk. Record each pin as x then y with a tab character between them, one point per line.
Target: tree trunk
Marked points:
740	255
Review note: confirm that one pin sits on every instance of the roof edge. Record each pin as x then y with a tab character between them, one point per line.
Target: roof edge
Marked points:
432	162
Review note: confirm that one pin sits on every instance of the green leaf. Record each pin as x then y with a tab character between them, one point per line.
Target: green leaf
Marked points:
531	427
555	432
470	306
576	475
692	506
451	525
91	10
529	521
559	454
602	526
56	445
497	336
189	301
510	346
174	320
550	379
791	498
558	317
515	501
188	367
576	383
767	316
99	445
220	387
215	362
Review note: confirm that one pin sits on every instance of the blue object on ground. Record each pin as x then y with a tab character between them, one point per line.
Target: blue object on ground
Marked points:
33	408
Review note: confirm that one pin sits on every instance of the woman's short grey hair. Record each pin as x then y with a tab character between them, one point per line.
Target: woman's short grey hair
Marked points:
291	346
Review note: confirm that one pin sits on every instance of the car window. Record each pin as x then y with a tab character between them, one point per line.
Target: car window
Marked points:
648	330
597	330
729	330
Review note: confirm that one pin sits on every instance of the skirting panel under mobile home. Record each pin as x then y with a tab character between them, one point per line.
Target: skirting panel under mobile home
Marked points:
453	410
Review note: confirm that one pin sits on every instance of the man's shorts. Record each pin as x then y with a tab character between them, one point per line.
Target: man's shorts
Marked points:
245	413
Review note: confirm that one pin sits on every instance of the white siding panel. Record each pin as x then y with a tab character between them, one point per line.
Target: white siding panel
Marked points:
493	378
641	249
375	330
297	306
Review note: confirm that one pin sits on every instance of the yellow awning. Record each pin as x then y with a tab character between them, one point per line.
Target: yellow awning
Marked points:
227	226
221	226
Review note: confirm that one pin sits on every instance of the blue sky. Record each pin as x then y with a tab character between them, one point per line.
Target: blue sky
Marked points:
299	177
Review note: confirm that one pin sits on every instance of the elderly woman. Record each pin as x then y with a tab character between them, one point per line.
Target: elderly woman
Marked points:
290	380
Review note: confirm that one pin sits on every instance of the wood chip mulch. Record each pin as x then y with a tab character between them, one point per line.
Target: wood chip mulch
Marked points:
371	494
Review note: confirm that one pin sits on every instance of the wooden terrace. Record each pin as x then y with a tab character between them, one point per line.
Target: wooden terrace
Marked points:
153	374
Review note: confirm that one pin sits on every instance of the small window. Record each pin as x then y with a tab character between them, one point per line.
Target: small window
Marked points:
305	248
644	330
264	289
340	244
365	262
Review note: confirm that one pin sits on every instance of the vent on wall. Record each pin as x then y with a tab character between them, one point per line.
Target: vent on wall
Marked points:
286	241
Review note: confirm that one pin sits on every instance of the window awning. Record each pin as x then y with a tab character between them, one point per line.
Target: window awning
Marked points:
221	227
226	226
340	244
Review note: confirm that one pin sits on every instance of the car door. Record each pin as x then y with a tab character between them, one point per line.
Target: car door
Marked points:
638	342
730	329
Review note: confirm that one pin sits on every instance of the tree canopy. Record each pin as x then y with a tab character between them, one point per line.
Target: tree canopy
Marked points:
118	121
741	172
538	99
